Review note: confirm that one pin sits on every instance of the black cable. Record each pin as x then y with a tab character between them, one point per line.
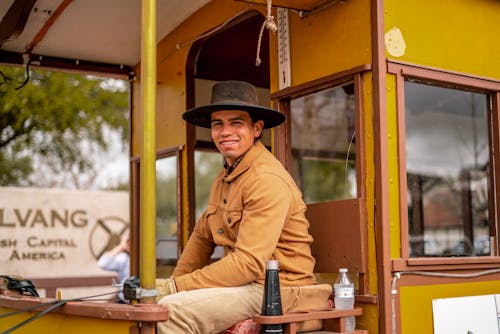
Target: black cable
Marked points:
31	308
36	316
5	315
27	76
27	309
7	80
54	305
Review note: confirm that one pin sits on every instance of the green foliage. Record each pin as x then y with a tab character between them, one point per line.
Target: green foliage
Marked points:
14	171
166	197
58	119
325	180
208	165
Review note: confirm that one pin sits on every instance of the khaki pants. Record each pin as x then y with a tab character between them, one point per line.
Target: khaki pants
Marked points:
213	310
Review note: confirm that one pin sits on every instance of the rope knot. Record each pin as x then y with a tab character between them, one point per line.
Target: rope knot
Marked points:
270	24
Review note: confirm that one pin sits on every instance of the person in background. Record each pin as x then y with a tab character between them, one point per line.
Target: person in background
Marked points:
255	212
118	260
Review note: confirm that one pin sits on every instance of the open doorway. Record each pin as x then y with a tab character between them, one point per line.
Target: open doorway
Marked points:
229	54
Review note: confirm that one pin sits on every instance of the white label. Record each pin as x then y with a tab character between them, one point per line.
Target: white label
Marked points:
344	293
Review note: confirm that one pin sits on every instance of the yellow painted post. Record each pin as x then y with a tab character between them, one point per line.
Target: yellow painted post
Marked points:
148	149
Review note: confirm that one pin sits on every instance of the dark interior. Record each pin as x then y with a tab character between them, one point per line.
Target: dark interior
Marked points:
223	57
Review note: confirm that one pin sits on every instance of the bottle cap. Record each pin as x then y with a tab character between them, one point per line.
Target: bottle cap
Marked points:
342	270
272	265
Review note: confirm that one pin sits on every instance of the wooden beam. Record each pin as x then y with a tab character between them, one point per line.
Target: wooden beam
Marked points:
14	21
48	24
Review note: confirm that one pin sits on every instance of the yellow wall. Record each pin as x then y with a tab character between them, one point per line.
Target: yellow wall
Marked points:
456	35
58	323
370	179
393	167
326	42
416	302
453	35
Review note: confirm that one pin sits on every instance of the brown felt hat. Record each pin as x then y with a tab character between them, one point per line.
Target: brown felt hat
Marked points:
233	95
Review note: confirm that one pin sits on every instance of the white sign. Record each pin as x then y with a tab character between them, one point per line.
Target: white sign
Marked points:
467	315
54	233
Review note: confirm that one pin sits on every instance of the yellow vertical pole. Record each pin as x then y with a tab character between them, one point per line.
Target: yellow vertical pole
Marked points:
147	227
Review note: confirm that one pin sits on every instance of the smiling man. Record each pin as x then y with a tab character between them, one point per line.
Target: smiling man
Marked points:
255	212
234	133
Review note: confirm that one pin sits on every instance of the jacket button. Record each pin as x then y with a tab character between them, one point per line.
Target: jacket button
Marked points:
225	201
220	231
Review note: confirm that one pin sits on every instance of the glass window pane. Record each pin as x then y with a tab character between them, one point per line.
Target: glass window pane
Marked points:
323	144
166	211
207	165
447	153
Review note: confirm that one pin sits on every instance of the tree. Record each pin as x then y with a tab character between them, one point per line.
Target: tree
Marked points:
53	122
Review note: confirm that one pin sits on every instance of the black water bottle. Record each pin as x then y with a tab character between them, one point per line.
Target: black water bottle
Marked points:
271	303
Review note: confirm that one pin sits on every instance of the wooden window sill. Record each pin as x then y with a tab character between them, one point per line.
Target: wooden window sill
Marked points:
440	263
112	311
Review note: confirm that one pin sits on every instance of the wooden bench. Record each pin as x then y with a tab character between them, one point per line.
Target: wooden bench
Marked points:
339	233
334	321
88	316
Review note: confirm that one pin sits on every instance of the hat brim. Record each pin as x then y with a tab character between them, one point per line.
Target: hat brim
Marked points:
202	115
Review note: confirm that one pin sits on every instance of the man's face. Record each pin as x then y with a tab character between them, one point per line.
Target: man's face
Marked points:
233	132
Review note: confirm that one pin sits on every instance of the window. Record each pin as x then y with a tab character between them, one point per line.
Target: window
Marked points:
208	165
323	140
448	170
323	144
166	214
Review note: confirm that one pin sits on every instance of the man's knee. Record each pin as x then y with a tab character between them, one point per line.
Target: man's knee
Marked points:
210	310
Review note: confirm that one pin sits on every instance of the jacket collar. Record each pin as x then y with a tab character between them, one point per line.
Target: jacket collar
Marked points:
255	151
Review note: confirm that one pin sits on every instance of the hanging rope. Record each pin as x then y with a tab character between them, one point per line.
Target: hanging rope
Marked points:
270	25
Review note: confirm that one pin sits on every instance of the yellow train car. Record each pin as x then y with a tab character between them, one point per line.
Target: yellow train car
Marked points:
392	134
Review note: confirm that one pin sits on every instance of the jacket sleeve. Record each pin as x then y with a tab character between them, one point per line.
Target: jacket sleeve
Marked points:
198	250
266	206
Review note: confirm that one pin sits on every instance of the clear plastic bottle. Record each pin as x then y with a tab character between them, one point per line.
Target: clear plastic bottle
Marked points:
344	297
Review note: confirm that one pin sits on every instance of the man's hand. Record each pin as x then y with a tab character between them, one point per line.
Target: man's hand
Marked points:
165	287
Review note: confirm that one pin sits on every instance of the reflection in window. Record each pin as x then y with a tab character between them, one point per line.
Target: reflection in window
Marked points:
447	153
166	211
323	144
208	164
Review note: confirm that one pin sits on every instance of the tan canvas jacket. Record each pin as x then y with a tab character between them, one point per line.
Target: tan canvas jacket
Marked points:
256	213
